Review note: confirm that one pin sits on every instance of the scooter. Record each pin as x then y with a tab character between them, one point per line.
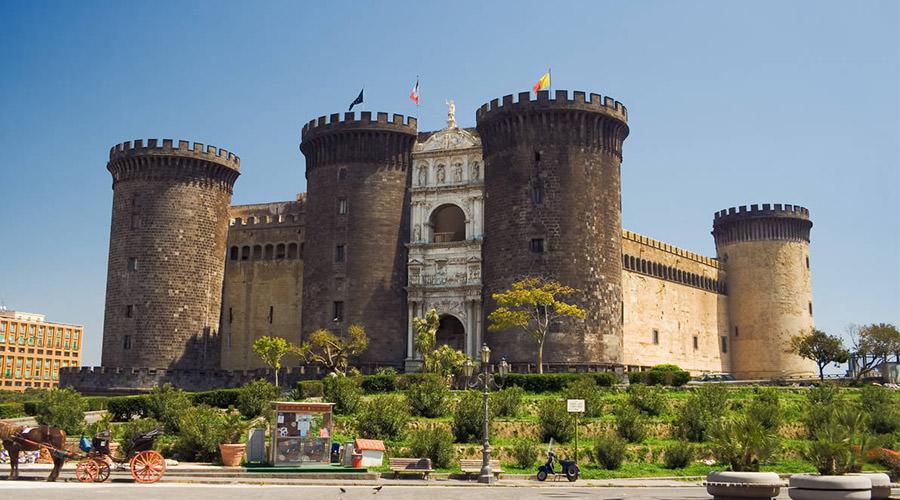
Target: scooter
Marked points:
568	467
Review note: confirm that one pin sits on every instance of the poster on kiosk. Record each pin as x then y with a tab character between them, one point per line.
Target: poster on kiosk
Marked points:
302	434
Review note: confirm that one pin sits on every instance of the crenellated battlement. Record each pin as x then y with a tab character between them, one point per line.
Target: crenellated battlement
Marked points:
167	147
561	99
349	120
761	222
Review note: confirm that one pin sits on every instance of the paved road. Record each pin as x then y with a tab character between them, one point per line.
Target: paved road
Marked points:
28	490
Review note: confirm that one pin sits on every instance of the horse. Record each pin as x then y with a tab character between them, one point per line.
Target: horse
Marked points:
17	438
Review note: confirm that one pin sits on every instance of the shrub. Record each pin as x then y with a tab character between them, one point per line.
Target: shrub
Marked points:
383	417
30	407
841	442
96	403
219	398
255	399
428	396
381	382
125	408
200	432
671	375
556	382
343	392
605	379
637	378
766	408
435	443
649	400
609	451
586	388
12	410
630	424
696	417
63	409
166	404
507	402
132	428
308	389
877	402
555	422
821	402
743	442
403	382
468	417
524	453
679	455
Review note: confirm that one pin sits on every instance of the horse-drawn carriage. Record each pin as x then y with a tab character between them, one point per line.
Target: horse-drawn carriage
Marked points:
146	465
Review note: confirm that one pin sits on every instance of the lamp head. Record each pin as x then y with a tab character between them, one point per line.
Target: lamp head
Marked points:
504	367
468	368
485	354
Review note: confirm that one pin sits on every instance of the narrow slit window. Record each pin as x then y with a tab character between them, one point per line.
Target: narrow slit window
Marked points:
655	337
537	245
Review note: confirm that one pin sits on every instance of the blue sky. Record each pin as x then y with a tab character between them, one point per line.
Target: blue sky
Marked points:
729	103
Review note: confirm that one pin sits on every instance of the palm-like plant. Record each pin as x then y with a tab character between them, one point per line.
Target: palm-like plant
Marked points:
743	443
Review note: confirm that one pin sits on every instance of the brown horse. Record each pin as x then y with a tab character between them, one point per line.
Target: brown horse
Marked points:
17	438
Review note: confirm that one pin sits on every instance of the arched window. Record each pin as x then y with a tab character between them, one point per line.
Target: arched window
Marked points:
448	223
251	220
270	252
292	251
279	251
245	253
234	253
257	252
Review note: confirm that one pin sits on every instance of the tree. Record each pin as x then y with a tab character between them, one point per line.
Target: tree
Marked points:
533	304
271	350
872	344
443	360
334	352
821	348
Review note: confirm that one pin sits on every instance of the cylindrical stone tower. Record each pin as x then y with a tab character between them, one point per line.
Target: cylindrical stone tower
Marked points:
166	253
357	225
765	252
553	210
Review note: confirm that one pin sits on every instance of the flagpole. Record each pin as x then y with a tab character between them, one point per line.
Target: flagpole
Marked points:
550	86
417	100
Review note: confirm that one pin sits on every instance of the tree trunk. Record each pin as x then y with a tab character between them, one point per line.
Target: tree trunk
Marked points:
540	353
276	377
822	373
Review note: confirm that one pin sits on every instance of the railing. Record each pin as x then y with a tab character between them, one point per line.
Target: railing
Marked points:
443	237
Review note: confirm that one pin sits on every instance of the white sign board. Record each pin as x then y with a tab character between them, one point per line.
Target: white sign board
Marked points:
575	405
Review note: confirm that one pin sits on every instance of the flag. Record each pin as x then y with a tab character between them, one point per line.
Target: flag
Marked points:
358	100
543	83
414	95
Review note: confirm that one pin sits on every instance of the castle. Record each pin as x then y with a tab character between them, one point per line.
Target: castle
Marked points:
396	222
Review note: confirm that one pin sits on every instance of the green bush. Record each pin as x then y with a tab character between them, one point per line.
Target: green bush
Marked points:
255	399
200	433
650	400
742	442
701	409
586	388
381	382
30	407
609	451
671	375
556	382
630	424
555	422
883	412
12	410
96	403
125	408
166	404
383	417
63	409
507	402
309	389
766	408
403	382
219	398
435	443
524	453
679	455
821	403
428	396
126	433
637	378
468	417
344	392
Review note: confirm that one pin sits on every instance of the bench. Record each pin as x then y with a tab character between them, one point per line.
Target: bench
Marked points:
473	466
410	466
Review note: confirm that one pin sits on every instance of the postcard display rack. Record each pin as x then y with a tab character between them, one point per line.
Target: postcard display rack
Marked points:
302	434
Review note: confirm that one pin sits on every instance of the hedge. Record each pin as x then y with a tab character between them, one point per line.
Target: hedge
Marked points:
382	382
219	398
96	403
12	410
660	375
310	389
556	382
124	408
30	407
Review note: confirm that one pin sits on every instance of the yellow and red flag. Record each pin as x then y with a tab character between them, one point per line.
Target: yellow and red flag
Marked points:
543	83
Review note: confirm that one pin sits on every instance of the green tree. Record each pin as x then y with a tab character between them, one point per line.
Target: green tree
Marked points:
443	360
332	351
63	409
872	344
271	350
533	305
820	347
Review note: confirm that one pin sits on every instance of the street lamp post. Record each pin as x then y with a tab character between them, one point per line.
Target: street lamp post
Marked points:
487	381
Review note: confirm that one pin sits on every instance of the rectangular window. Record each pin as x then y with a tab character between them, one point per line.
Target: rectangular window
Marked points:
132	264
129	311
736	331
810	308
724	344
126	342
230	316
75	345
271	314
339	253
342	206
537	245
2	327
655	337
135	221
12	328
338	311
696	342
537	193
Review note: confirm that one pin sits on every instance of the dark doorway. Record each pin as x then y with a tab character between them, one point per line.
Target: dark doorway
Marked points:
452	333
449	223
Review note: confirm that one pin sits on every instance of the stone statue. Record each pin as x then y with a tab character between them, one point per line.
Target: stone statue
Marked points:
451	114
423	176
440	174
475	171
457	173
418	233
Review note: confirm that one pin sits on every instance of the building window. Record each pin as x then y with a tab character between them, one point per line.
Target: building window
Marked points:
338	311
537	192
342	174
245	253
339	253
126	342
2	327
234	253
342	206
724	344
271	313
807	261
135	221
655	337
230	316
537	245
279	251
129	311
537	156
736	332
132	264
696	342
810	308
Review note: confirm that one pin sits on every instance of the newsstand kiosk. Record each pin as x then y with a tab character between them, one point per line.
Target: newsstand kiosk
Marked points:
301	434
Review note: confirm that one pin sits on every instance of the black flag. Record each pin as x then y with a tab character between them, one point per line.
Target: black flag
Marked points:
358	100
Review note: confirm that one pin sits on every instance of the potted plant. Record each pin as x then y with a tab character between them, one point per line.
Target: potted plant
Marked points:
230	446
743	443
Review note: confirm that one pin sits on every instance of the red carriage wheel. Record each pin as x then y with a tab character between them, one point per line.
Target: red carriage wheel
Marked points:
102	472
148	467
86	470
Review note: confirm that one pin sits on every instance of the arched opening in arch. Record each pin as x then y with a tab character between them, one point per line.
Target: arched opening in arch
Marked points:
270	251
448	223
451	332
257	252
292	251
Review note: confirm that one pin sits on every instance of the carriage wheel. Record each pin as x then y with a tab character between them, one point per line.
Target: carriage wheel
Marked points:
148	467
86	470
102	472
